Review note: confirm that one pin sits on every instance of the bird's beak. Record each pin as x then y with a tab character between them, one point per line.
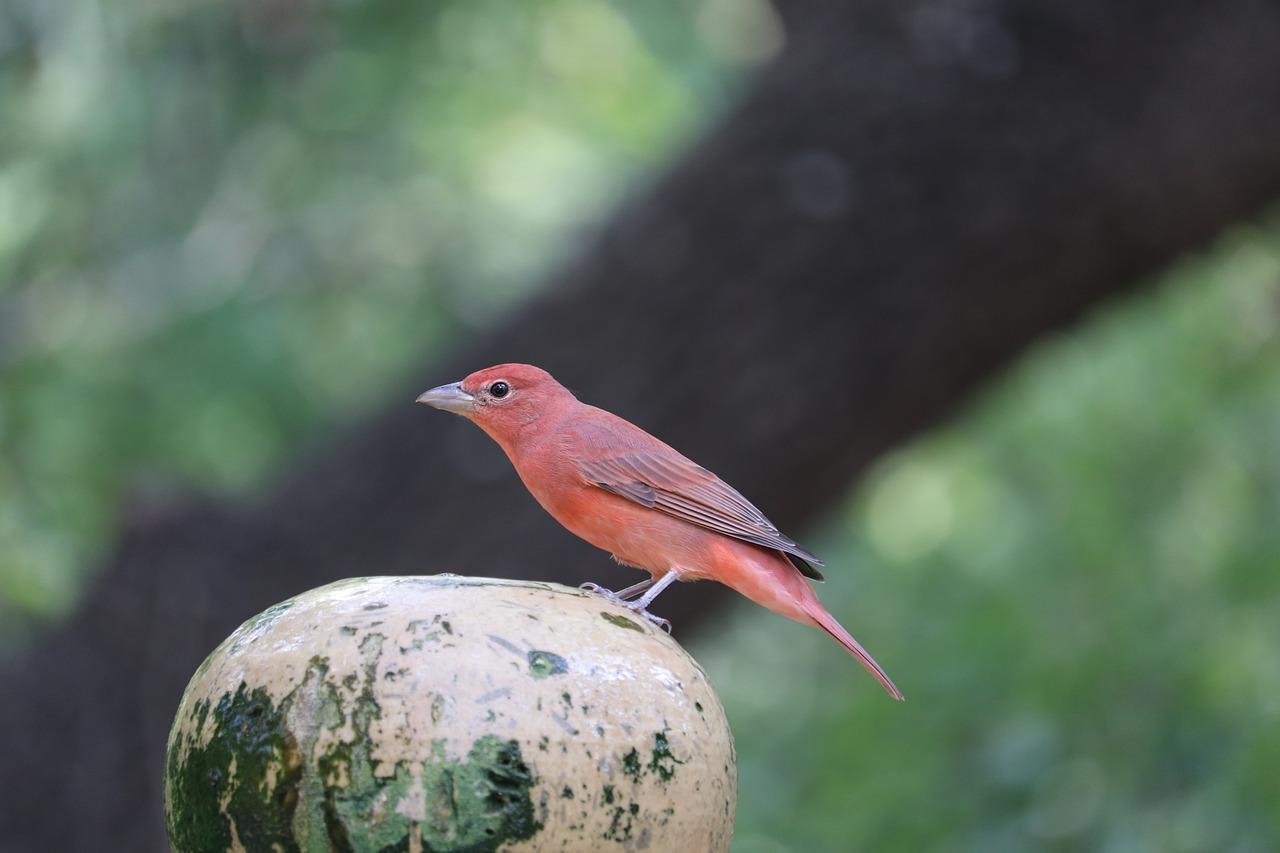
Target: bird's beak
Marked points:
449	397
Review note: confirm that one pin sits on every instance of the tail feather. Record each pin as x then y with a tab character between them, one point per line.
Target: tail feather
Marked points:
828	623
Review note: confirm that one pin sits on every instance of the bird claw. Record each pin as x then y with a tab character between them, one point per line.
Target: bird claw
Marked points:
633	606
664	624
606	594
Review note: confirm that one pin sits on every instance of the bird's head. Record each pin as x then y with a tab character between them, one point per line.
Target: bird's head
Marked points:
502	400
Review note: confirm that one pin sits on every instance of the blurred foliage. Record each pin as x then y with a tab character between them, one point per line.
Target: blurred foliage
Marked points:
1075	586
226	225
223	225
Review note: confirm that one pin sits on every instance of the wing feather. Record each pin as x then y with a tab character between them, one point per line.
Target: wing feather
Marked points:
685	490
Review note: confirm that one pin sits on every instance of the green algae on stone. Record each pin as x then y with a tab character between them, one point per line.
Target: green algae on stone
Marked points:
621	621
663	762
473	806
437	709
363	815
242	783
631	764
479	804
542	664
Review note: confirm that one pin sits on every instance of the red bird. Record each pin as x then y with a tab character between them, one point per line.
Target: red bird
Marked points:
623	490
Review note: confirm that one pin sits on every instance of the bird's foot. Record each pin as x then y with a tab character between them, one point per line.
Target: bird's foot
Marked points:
606	594
647	590
634	607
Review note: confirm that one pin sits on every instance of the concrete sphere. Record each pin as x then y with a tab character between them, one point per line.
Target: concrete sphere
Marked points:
449	714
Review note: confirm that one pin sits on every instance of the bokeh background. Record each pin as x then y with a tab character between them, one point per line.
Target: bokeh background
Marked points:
227	229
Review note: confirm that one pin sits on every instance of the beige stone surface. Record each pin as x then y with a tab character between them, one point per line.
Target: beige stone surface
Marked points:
449	713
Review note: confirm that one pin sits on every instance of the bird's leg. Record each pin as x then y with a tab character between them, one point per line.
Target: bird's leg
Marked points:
635	589
641	604
622	596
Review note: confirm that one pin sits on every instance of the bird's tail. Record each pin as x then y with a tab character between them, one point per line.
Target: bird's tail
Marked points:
828	623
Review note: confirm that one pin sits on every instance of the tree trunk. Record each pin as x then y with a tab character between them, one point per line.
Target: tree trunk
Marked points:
907	198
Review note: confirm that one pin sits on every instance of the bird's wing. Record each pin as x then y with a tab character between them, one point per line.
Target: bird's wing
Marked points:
685	490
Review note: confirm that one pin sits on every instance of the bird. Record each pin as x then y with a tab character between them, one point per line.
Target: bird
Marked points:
625	491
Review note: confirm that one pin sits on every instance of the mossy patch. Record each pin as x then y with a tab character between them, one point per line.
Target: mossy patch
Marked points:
662	761
620	621
620	822
251	782
631	765
480	804
247	773
543	664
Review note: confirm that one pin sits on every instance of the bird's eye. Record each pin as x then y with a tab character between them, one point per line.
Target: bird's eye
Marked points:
499	390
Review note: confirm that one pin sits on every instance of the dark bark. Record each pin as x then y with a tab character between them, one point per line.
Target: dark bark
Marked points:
903	202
